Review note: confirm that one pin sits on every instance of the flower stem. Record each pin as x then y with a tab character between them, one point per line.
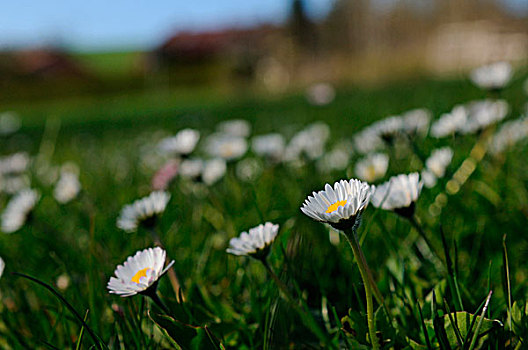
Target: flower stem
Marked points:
153	294
350	235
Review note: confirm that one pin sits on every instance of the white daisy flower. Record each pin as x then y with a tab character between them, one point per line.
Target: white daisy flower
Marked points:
214	170
398	194
484	113
67	188
256	243
18	209
494	76
310	142
388	128
416	121
449	123
372	167
429	179
439	160
12	184
191	168
336	159
9	123
140	273
2	266
509	134
235	127
182	143
16	163
226	146
320	94
340	206
367	141
270	146
248	169
143	211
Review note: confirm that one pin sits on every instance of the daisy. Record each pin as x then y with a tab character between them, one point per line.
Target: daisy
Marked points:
336	159
416	121
226	146
484	113
494	76
388	128
270	146
143	211
183	143
213	170
18	210
191	168
510	133
235	127
67	188
399	194
16	163
372	167
340	206
12	184
248	169
256	243
140	273
450	123
9	123
165	174
367	141
439	160
309	142
320	94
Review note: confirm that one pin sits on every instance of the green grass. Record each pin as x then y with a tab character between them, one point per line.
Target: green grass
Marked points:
234	297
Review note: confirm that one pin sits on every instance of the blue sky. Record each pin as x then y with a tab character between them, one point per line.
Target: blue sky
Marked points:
138	24
107	24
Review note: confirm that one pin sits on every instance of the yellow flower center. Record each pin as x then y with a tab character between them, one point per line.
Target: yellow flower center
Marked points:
139	274
335	206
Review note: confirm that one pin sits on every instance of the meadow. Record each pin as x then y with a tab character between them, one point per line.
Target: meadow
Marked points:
435	274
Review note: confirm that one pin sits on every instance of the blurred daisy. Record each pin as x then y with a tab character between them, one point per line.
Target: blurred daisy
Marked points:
449	123
183	143
269	146
18	210
399	194
214	170
12	184
191	168
484	113
509	134
2	266
309	142
235	127
256	243
320	94
143	211
429	179
340	206
367	141
336	159
248	169
140	273
226	146
494	76
67	188
389	128
9	123
439	160
372	167
165	174
16	163
416	121
63	282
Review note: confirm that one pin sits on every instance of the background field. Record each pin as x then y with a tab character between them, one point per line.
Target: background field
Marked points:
110	136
